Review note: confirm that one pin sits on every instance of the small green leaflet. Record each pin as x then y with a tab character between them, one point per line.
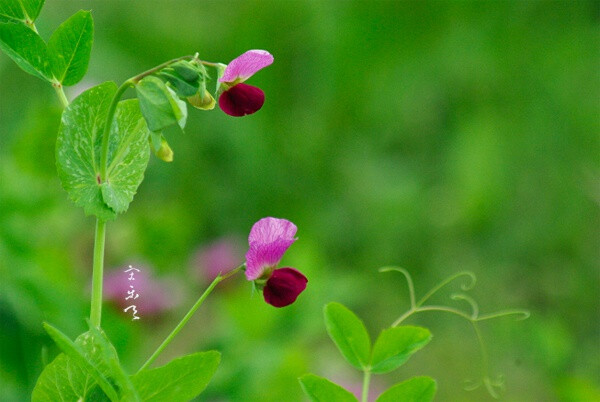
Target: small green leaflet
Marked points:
70	46
78	149
395	345
26	48
181	379
417	389
20	10
159	104
319	389
349	334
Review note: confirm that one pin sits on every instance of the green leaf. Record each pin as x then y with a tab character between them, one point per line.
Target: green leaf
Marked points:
65	381
349	334
128	156
70	46
78	152
77	356
20	10
319	389
26	48
182	87
87	363
99	345
180	380
159	104
186	70
417	389
395	345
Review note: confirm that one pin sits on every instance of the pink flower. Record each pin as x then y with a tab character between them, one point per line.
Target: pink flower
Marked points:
269	239
153	296
240	99
216	258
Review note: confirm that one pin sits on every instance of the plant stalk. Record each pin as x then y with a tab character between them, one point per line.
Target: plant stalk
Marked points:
61	94
189	315
365	388
97	273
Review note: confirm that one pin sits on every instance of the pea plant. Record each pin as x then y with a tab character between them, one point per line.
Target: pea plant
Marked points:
103	146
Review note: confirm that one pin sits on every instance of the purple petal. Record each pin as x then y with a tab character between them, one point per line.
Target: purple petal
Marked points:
245	65
284	286
261	257
268	230
241	100
269	239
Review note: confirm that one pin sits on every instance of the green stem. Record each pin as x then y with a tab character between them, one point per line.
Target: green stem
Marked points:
189	315
61	94
365	389
98	267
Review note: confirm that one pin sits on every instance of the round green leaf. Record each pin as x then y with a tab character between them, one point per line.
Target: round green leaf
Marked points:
349	334
319	389
70	46
78	152
395	345
417	389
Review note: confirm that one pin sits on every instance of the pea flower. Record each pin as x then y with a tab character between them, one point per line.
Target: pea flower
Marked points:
239	99
268	240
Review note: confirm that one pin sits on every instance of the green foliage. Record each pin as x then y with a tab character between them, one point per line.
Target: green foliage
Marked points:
89	370
159	104
320	389
20	10
392	349
417	389
78	152
80	358
349	334
395	345
26	48
180	380
70	46
90	360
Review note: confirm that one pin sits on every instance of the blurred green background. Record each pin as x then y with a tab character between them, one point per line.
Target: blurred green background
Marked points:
438	136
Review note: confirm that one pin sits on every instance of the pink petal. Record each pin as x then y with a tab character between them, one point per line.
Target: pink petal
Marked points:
269	239
241	100
284	286
245	65
270	229
261	257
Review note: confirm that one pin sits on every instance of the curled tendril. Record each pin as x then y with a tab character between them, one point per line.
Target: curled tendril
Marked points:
465	286
470	300
493	386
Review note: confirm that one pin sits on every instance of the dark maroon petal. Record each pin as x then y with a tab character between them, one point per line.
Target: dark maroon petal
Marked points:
241	99
284	286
